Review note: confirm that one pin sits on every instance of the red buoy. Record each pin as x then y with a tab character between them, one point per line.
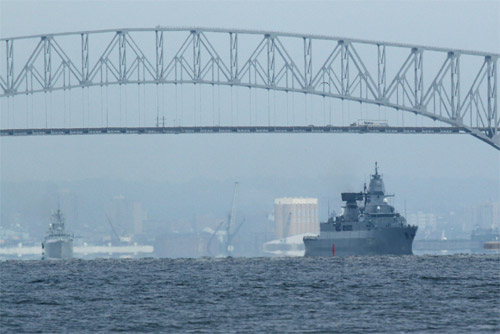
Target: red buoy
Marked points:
333	250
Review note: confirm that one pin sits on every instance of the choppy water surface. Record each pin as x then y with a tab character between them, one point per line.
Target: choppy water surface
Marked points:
425	294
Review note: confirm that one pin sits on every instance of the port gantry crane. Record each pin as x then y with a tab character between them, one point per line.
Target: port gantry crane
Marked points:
117	237
231	221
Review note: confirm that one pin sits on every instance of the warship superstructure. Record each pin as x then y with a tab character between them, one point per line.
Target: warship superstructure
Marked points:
58	243
373	228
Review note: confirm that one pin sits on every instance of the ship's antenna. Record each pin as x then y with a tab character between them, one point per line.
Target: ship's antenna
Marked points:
364	192
376	168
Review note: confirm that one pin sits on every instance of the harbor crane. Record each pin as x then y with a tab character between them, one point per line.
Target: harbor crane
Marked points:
230	231
117	237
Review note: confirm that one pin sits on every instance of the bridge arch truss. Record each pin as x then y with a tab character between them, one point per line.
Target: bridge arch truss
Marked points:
457	87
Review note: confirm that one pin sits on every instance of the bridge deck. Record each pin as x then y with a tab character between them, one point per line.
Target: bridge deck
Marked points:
232	129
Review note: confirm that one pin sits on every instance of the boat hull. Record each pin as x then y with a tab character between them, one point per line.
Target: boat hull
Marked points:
59	249
387	241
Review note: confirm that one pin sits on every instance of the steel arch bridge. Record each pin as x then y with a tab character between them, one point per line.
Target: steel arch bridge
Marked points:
456	87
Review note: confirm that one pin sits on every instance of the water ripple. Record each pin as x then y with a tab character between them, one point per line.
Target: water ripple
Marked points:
387	294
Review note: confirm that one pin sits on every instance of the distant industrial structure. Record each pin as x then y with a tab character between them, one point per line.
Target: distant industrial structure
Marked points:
294	216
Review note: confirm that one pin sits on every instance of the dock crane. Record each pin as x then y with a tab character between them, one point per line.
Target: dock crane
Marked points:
231	221
117	238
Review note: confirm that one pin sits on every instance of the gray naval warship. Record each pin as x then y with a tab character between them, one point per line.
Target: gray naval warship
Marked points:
374	228
58	243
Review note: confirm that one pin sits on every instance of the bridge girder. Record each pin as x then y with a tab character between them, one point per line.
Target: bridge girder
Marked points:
339	70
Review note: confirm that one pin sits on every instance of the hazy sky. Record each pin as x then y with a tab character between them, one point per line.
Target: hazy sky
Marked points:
465	25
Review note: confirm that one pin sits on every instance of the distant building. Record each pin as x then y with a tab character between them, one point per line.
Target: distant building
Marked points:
427	224
487	215
126	215
294	216
422	220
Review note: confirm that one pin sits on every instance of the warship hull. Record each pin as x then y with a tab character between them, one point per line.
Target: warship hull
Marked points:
58	249
386	241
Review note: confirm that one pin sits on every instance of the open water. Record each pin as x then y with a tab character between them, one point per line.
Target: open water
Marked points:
406	294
